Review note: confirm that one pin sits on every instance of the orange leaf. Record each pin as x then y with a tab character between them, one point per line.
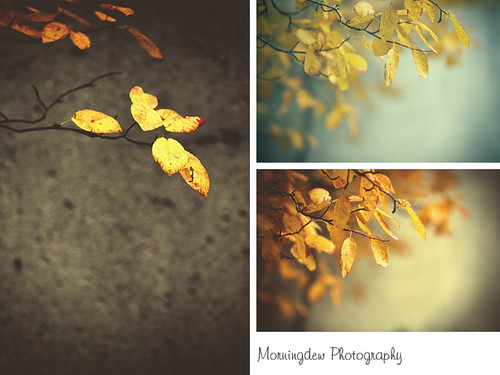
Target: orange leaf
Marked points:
195	175
173	122
54	31
96	122
79	39
77	18
347	255
170	155
27	30
110	7
104	17
137	95
146	43
147	118
38	16
316	291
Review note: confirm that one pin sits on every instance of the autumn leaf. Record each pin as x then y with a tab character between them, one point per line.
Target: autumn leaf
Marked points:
417	223
292	224
320	243
80	40
146	43
271	249
369	192
110	7
196	175
363	222
96	122
460	30
415	9
38	16
391	65
380	47
305	36
173	122
76	17
27	30
313	61
380	252
104	17
319	195
388	23
170	155
137	95
380	219
55	31
347	255
356	61
421	63
340	217
147	118
316	291
363	9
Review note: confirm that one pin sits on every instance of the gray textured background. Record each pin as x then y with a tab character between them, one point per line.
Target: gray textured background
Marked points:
108	266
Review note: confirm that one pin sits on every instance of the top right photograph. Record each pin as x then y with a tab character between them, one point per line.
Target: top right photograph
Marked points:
378	81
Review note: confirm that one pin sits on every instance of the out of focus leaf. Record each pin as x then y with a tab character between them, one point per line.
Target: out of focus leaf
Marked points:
146	43
27	30
76	17
96	122
110	7
271	248
80	40
320	243
104	17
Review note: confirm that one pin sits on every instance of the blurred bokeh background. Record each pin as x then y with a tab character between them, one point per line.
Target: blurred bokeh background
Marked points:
447	283
451	116
107	265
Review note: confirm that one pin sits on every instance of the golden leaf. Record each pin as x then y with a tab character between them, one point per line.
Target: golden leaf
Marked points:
424	39
339	178
54	31
137	95
170	155
340	217
298	250
173	122
363	9
379	217
320	243
264	222
271	248
415	9
380	47
316	291
388	23
292	224
313	61
391	65
369	192
305	36
146	43
319	195
96	122
341	63
347	256
429	8
421	63
363	222
460	30
104	17
27	30
380	252
313	207
357	20
355	61
403	35
196	175
79	39
334	39
77	18
417	223
147	118
110	7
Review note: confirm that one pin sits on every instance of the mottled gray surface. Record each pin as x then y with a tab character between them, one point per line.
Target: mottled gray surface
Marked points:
107	265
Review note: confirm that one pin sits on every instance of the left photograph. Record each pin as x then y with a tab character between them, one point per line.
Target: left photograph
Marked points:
124	244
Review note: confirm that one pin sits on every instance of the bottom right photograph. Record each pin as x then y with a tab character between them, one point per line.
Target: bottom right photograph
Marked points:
366	250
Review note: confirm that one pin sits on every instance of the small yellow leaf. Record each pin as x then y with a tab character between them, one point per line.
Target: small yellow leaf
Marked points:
77	18
347	255
460	30
380	252
305	36
363	9
391	65
147	118
341	63
320	243
146	43
421	63
173	122
334	39
110	7
54	31
403	35
313	207
355	61
137	95
313	61
27	30
378	216
417	223
380	47
319	195
104	17
79	39
388	23
195	175
96	122
170	155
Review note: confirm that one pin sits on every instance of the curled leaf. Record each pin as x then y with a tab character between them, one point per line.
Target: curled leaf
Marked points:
96	122
173	122
124	10
363	9
170	155
54	31
196	175
146	43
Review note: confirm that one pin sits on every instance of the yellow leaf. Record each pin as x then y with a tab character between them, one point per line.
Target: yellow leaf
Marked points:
334	117
298	250
104	17
110	7
380	47
313	61
421	63
347	255
195	175
460	30
292	224
320	243
319	195
137	95
173	122
313	207
417	223
424	39
305	36
363	9
170	155
339	178
355	61
363	223
340	217
379	250
79	39
341	63
316	291
429	30
146	43
271	249
54	31
369	192
391	65
414	8
96	122
378	216
27	30
429	8
77	18
334	39
403	35
357	20
147	118
388	23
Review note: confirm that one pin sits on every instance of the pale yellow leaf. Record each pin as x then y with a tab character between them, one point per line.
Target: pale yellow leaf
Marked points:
173	122
421	63
380	47
319	195
146	117
313	61
388	23
305	36
417	223
460	30
415	9
391	65
96	122
170	155
363	9
355	61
